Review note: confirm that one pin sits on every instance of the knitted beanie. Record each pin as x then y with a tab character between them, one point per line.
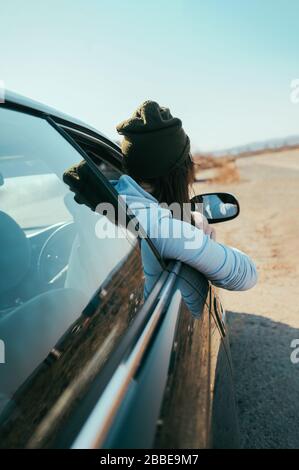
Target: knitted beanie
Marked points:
154	142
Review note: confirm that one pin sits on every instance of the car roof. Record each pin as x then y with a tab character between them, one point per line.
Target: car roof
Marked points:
18	101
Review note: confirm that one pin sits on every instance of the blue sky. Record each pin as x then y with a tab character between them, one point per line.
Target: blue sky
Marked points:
223	66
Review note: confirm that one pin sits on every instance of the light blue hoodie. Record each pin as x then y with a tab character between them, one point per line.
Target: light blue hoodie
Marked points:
224	266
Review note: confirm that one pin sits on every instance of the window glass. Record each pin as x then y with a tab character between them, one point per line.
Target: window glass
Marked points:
67	294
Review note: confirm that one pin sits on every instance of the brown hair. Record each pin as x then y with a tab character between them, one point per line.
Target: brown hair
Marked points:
174	187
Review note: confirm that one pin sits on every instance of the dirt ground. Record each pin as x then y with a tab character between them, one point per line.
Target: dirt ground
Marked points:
263	321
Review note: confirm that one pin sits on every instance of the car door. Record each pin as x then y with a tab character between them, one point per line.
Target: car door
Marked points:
73	303
182	338
177	399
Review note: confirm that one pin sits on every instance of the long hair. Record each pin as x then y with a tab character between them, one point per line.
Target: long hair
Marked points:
173	187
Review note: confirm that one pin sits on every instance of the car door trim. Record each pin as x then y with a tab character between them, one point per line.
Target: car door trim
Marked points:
95	429
94	139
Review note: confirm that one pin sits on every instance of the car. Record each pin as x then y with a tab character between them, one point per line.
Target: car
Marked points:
104	344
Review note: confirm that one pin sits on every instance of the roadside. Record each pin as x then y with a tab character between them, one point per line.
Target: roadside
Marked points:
264	320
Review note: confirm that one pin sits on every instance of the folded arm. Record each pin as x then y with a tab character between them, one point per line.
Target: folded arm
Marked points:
224	266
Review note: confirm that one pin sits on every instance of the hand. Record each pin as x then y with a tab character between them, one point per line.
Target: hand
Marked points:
82	181
202	223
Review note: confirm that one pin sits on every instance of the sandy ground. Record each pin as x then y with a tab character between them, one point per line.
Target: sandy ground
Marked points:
263	321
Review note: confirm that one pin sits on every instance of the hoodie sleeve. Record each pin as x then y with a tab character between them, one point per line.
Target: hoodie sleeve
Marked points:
224	266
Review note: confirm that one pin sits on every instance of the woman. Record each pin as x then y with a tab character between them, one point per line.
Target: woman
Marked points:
159	173
159	170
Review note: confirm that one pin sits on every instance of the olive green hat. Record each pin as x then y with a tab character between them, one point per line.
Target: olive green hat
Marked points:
154	142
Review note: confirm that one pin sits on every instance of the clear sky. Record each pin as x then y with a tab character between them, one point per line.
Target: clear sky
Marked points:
223	66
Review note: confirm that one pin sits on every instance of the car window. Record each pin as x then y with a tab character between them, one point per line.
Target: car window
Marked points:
71	283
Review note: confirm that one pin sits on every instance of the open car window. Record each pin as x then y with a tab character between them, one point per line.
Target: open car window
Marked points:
71	283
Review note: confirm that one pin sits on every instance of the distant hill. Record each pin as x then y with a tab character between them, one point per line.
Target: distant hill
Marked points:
224	161
257	147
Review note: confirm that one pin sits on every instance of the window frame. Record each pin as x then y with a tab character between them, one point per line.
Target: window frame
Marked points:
117	163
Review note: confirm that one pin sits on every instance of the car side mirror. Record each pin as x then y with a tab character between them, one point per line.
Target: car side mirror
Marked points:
216	207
